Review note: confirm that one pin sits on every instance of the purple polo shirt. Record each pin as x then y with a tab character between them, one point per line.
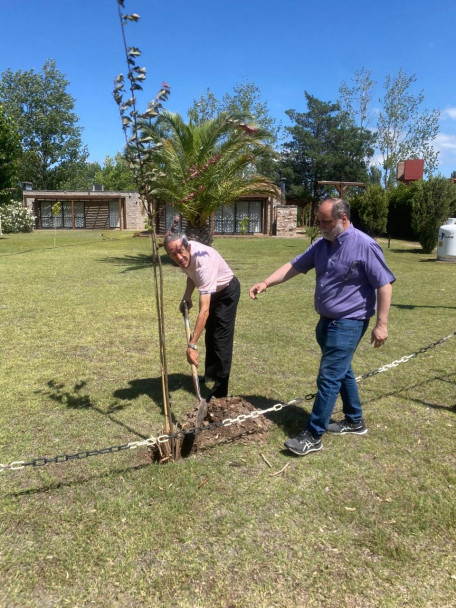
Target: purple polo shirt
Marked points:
347	274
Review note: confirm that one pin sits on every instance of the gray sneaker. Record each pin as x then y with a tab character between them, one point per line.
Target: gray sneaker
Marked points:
345	426
304	443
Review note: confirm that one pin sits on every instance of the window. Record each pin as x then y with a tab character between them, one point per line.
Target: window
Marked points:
227	220
114	217
64	218
233	220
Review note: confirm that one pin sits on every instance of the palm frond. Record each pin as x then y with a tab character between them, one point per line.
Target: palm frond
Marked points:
204	166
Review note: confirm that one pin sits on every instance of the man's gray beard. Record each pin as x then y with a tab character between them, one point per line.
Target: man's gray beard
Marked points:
334	233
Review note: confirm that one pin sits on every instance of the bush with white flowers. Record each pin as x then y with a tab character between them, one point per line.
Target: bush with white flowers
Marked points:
16	218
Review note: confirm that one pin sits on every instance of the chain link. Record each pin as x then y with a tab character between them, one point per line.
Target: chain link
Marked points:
151	441
404	359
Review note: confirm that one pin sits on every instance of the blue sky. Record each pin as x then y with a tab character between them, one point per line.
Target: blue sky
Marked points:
285	48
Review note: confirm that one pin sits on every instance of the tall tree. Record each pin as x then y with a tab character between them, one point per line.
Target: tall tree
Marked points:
245	101
204	166
10	151
325	145
403	130
82	177
43	111
247	104
356	99
205	108
116	174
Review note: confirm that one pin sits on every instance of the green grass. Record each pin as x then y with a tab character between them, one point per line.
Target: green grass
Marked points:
367	522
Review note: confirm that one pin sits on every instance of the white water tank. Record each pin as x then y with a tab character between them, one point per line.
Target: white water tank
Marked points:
446	245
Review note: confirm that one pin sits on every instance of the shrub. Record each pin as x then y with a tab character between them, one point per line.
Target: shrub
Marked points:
432	204
16	218
400	212
370	210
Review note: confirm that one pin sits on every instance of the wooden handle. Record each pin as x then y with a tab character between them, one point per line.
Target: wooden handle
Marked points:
194	368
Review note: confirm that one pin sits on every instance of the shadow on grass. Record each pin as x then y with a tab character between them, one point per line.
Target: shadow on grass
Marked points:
412	306
438	406
420	385
57	485
414	250
137	262
292	418
152	388
75	398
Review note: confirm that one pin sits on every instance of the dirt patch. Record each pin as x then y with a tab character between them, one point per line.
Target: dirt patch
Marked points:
252	430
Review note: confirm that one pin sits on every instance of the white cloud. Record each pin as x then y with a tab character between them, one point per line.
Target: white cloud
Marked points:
377	160
445	143
449	113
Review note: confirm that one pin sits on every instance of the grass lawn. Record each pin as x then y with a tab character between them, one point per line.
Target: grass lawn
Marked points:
368	522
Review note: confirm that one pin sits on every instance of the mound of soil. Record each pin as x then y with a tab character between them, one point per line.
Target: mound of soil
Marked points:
252	430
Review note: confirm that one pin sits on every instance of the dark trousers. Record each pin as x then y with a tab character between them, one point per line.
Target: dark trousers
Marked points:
219	337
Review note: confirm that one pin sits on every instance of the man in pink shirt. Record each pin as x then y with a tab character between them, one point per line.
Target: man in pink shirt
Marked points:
219	292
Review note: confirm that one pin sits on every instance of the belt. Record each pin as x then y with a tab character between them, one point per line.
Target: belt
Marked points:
347	318
227	285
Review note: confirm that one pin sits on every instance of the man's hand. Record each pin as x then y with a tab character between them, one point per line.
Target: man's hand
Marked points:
182	305
192	356
257	289
379	335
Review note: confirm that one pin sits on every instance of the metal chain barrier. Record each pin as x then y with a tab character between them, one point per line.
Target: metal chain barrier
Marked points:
151	441
406	358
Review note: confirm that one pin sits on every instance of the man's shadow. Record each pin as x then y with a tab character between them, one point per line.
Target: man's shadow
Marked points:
292	419
152	388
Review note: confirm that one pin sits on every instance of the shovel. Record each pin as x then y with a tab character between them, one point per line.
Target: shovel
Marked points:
202	408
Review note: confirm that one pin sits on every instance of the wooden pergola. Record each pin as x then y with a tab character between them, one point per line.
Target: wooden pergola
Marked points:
342	187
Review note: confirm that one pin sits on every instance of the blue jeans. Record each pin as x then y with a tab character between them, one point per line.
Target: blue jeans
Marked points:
338	341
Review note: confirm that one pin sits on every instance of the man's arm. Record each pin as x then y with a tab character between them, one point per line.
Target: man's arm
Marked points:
282	274
187	297
201	319
380	331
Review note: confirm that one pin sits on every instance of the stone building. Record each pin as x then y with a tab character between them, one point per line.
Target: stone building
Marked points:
98	209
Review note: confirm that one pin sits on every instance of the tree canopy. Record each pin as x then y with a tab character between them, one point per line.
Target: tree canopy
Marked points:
325	145
403	129
116	174
204	166
10	151
42	109
247	104
245	101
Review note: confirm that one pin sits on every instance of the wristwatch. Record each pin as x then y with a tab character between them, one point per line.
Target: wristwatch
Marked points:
194	346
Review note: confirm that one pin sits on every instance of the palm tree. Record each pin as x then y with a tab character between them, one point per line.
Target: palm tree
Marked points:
197	168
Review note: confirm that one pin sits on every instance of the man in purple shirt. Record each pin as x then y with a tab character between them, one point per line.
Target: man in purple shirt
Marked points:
352	279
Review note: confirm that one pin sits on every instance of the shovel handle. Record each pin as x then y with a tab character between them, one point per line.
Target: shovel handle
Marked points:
189	337
187	323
